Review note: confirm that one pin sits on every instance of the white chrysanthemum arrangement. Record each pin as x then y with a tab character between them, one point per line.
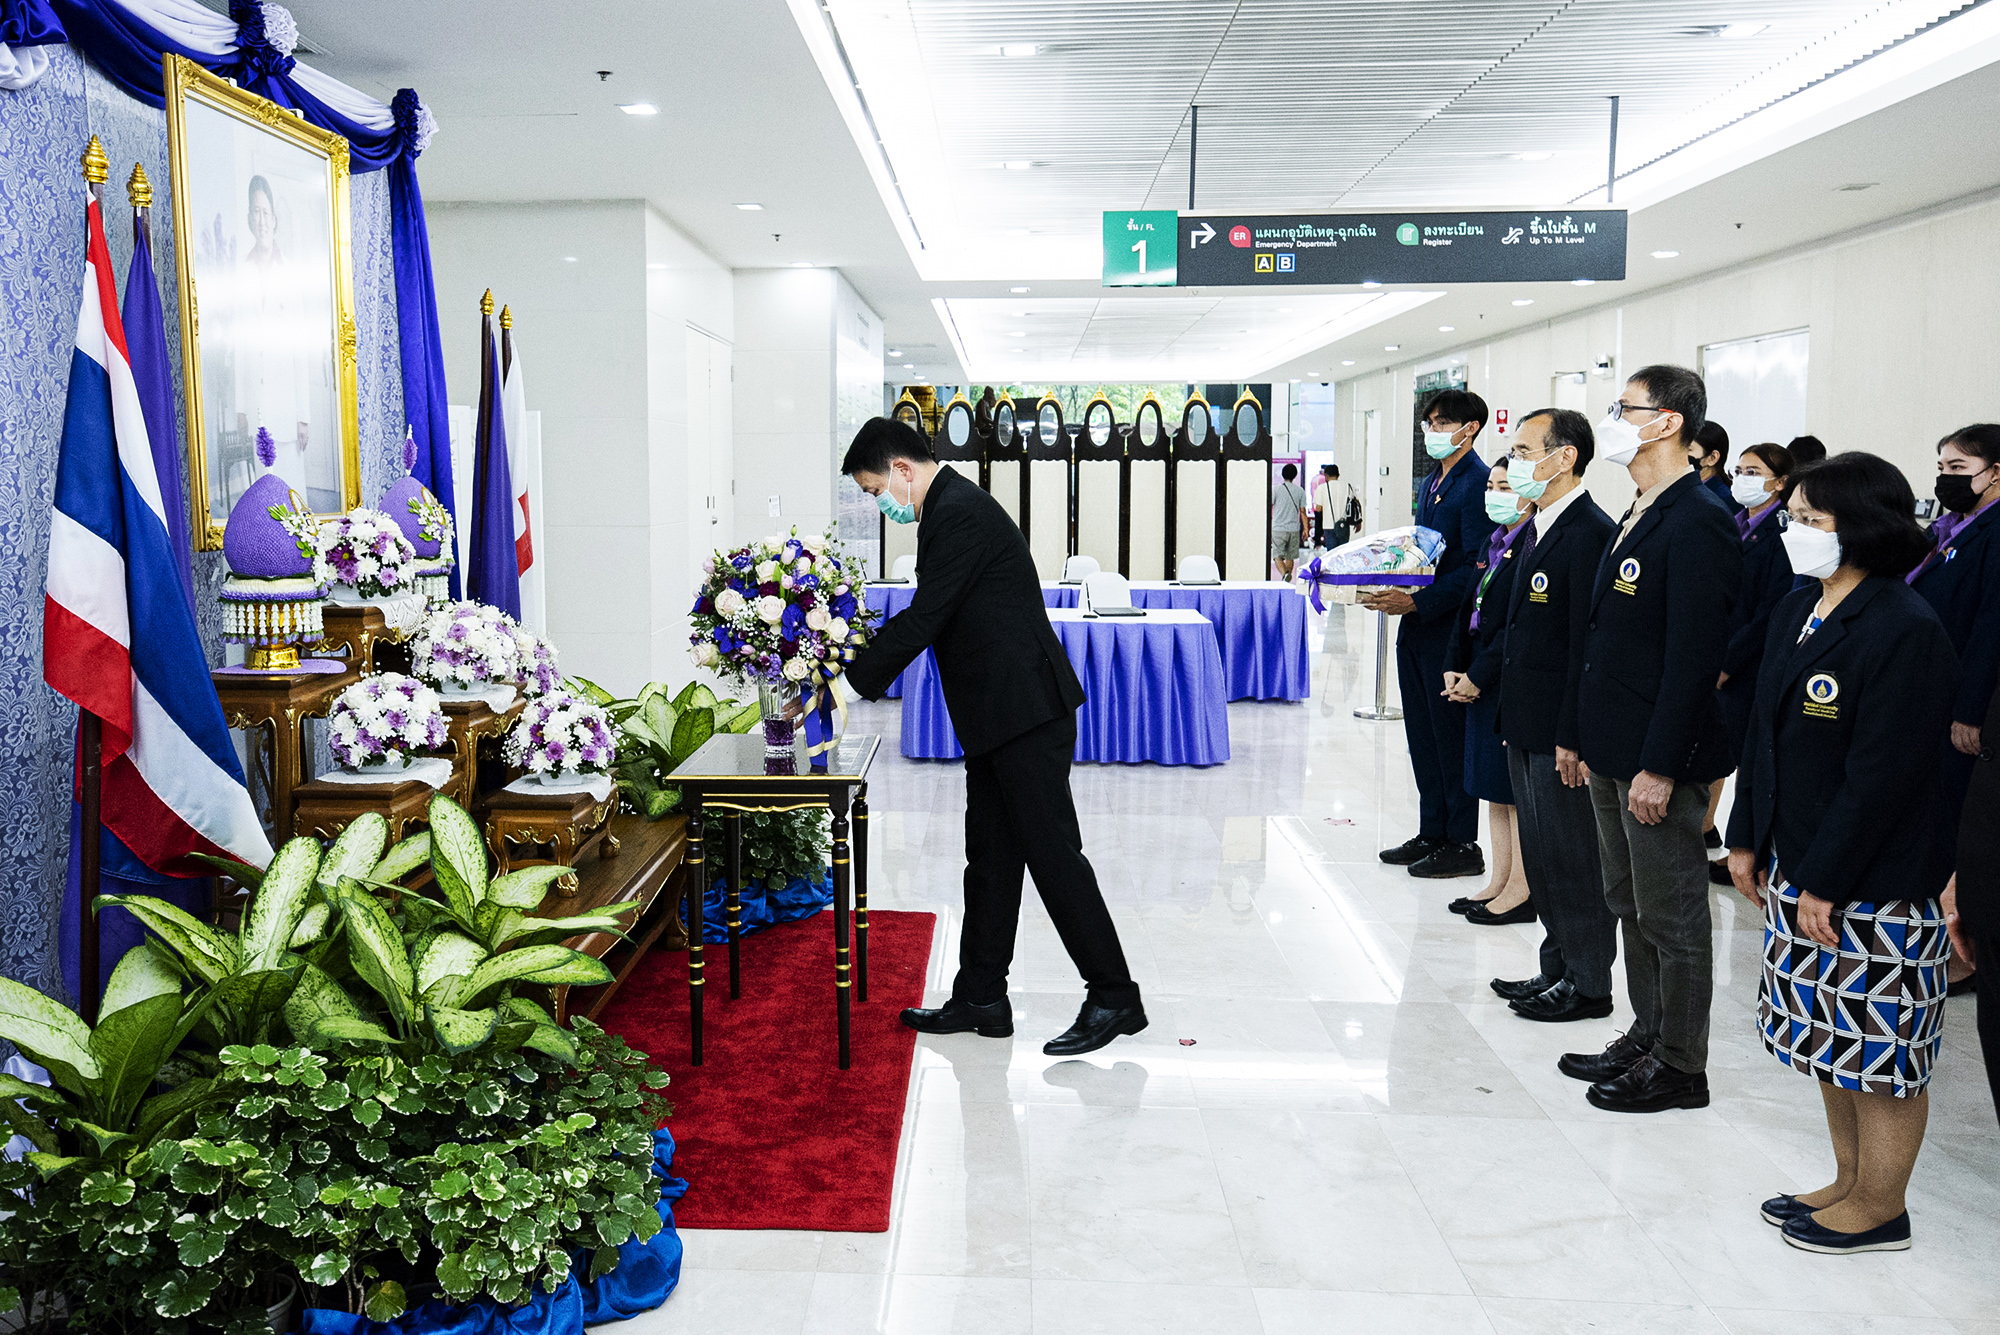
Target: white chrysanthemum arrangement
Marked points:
368	551
383	719
561	736
464	646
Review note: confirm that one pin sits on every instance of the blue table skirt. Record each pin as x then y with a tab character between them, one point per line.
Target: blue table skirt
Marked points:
1260	631
890	599
1155	692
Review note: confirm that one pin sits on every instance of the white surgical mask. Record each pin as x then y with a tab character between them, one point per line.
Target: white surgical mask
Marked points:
1439	444
1521	477
1503	507
1618	440
1748	489
1814	552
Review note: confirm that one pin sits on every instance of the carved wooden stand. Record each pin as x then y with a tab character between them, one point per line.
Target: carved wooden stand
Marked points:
323	809
470	722
527	829
358	631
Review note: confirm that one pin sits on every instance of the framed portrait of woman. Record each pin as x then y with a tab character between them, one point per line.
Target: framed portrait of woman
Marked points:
267	299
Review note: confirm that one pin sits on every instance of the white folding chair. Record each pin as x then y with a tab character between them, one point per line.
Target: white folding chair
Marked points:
905	567
1199	570
1078	568
1107	591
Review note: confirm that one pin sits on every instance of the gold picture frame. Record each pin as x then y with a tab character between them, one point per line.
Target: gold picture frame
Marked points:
269	285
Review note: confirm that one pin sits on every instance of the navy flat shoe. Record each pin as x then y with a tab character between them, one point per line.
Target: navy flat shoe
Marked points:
1808	1236
1782	1210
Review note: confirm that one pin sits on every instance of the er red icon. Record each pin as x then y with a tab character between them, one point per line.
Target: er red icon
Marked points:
1239	237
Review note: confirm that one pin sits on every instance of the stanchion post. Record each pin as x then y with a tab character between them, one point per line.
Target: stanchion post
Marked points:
1381	711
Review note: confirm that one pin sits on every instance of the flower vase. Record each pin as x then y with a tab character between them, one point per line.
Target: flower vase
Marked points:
778	730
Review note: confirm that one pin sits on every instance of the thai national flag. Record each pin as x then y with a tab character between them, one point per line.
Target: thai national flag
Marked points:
118	635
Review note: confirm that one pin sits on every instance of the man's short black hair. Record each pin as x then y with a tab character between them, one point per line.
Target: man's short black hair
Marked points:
1454	405
881	439
1288	472
1329	470
1711	439
1571	428
1807	450
1873	510
1675	389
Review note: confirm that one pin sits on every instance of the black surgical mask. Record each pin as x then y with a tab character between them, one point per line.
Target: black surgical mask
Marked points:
1954	491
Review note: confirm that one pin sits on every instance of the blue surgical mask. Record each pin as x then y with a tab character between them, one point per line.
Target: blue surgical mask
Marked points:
1521	477
1503	507
1440	444
898	512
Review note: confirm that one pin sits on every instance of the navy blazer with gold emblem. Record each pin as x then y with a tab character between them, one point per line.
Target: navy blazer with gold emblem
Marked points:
1840	765
1653	646
1541	672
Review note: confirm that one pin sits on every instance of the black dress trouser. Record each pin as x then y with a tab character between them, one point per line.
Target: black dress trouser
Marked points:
1019	815
1986	947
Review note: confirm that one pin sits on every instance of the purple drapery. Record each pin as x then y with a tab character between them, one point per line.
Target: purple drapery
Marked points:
146	341
494	576
29	23
128	51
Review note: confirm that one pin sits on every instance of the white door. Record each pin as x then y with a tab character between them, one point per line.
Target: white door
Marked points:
1757	387
710	463
1374	483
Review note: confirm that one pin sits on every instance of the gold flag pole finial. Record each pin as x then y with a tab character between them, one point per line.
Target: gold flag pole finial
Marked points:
138	189
486	303
96	166
506	317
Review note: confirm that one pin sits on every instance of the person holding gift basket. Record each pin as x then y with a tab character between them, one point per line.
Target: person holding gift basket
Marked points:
1013	698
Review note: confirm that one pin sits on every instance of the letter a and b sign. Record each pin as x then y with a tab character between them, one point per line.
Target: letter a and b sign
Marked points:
1139	248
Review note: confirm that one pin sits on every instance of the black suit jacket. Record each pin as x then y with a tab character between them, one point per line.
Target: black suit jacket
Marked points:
1964	587
1840	765
1653	645
979	606
1767	581
1458	511
1541	675
1979	832
1476	653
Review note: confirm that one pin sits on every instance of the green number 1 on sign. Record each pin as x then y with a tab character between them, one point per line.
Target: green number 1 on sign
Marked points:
1140	247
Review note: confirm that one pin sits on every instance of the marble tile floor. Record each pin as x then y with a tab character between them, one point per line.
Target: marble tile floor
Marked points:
1332	1125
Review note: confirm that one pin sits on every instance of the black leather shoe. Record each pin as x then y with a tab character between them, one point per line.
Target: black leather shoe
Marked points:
1718	873
1412	850
1711	838
1523	987
1782	1210
960	1017
1449	860
1464	905
1650	1086
1809	1236
1620	1055
1482	916
1096	1026
1561	1003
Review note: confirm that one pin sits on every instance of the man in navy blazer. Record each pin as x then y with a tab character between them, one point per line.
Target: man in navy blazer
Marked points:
1652	735
1452	500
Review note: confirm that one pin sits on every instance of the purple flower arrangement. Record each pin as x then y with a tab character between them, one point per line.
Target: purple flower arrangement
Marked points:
464	646
369	552
539	673
560	736
785	610
379	721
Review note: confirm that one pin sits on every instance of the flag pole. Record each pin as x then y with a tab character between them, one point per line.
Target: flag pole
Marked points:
90	743
506	341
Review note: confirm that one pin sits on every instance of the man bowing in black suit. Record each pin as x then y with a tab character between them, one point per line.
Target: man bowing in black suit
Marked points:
1013	697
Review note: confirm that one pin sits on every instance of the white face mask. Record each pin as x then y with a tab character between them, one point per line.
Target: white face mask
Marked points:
1814	552
1748	489
1440	444
1617	440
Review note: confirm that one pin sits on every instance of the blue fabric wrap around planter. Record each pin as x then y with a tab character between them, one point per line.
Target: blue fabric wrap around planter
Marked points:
762	907
647	1272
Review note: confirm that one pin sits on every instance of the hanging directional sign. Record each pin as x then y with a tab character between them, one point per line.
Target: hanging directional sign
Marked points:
1140	249
1348	248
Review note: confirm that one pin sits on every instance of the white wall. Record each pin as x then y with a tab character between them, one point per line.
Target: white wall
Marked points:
603	295
1903	344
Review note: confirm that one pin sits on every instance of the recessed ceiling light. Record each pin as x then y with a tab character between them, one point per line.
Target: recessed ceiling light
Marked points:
1017	333
1348	362
751	208
1370	283
1392	347
569	259
909	366
1295	380
1284	310
1666	254
638	108
802	264
1581	282
1017	164
1537	156
1017	290
893	352
1019	50
1310	373
1524	301
1446	328
1856	185
1731	32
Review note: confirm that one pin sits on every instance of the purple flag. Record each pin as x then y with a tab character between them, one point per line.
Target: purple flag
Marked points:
493	574
153	376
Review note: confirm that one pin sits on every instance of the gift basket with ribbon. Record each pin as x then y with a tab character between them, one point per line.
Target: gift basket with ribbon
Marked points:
1396	558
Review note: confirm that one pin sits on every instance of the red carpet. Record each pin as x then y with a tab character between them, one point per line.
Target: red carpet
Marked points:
769	1131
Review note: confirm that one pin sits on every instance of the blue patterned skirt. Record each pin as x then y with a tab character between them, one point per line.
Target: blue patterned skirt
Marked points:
1868	1015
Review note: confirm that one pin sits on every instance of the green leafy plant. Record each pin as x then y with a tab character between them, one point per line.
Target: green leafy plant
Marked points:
778	847
656	734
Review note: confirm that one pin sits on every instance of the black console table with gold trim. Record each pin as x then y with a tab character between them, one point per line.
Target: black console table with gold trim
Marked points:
729	775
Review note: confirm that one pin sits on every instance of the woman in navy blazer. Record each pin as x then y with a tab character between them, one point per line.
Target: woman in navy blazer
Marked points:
1472	660
1827	836
1759	485
1960	578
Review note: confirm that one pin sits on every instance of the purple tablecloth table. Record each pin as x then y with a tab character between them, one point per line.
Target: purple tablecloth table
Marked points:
1260	629
1154	688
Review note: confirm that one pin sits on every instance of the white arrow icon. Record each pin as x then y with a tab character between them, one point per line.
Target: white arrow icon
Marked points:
1206	233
